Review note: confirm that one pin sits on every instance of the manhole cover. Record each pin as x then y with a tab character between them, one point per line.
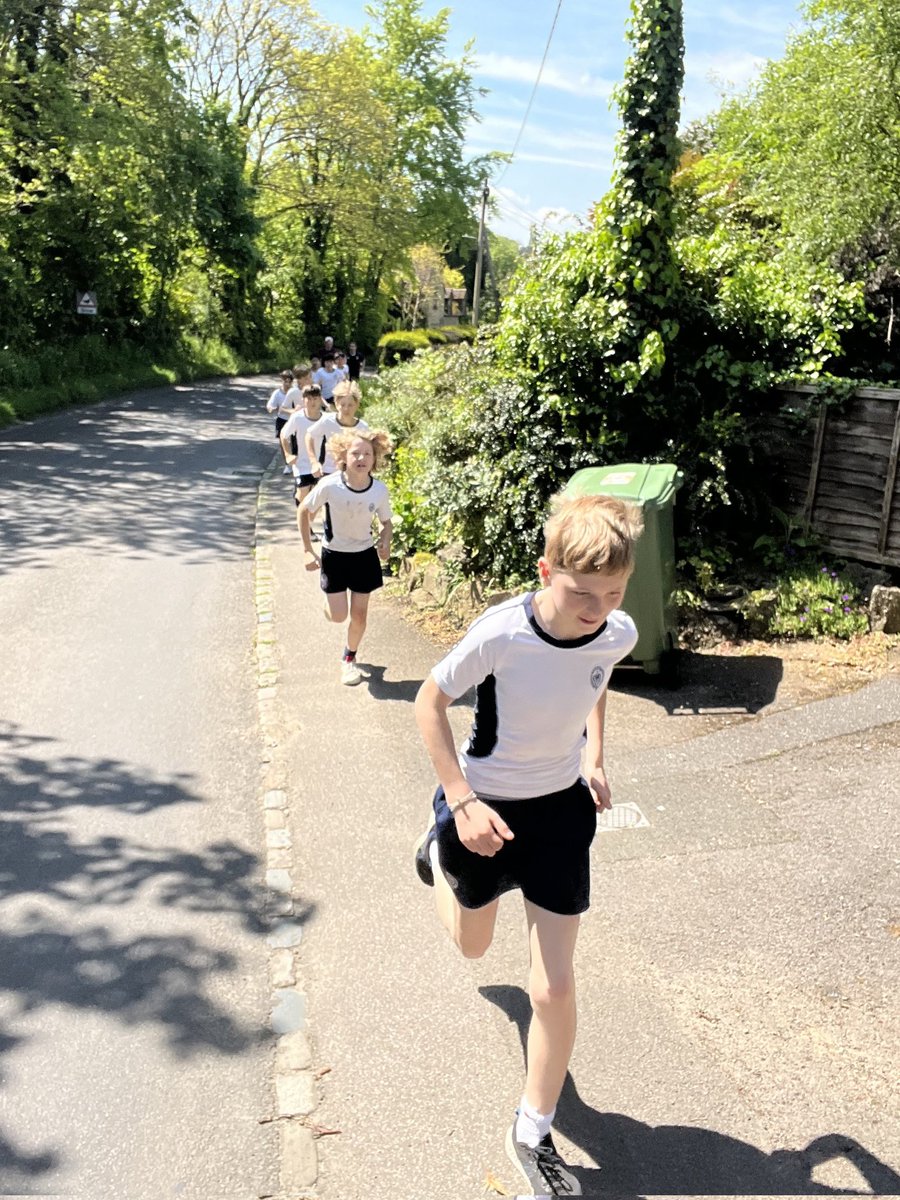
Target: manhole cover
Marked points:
621	816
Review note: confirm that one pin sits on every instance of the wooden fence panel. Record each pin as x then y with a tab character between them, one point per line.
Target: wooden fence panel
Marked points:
838	470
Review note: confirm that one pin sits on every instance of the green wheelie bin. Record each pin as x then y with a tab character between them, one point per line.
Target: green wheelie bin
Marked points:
648	600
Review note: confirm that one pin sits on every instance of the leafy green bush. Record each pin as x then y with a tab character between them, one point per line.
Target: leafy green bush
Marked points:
810	601
402	345
459	333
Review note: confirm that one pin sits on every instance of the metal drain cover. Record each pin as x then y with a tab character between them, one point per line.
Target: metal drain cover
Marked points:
621	816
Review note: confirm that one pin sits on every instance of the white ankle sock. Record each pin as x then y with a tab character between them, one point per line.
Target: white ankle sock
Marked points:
531	1126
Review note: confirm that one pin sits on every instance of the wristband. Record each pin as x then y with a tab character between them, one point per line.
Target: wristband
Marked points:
460	804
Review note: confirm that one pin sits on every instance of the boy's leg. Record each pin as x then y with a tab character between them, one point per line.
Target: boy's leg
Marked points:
472	929
551	987
303	527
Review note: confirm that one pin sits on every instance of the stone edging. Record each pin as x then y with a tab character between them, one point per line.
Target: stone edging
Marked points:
295	1090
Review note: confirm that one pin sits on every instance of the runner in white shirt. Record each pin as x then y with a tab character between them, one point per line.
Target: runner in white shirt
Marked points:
517	805
352	499
328	377
293	401
346	400
293	441
275	405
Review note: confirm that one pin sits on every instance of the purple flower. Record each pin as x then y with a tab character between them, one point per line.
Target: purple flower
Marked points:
803	618
828	608
824	570
845	597
846	610
834	574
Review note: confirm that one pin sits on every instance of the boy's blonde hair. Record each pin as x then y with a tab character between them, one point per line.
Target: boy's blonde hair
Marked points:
382	444
347	388
592	534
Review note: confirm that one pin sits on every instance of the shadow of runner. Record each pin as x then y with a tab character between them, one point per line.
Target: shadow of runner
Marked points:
680	1160
709	683
390	689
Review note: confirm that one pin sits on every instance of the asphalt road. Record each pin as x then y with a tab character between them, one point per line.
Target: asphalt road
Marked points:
133	991
739	971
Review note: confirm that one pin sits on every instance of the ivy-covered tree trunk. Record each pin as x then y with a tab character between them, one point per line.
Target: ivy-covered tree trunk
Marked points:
637	214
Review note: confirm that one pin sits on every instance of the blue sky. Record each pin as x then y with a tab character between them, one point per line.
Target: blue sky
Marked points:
565	154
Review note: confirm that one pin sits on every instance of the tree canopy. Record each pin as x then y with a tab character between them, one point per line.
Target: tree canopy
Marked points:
236	170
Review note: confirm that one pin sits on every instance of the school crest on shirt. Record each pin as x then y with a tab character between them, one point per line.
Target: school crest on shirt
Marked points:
372	506
597	676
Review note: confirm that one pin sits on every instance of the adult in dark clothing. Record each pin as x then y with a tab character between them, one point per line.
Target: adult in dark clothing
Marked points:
355	363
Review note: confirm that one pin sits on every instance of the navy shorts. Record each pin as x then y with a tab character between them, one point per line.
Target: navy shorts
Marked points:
548	859
303	481
358	571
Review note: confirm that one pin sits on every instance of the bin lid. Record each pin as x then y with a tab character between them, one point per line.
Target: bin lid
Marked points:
639	483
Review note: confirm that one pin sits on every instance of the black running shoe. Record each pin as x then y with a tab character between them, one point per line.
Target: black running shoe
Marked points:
423	856
545	1171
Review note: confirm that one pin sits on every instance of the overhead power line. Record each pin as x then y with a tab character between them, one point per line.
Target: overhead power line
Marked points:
533	93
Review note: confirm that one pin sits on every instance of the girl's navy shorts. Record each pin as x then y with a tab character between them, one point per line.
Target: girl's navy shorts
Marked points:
358	571
548	859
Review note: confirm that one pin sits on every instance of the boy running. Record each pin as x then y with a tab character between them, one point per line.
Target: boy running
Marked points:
517	806
293	441
328	377
350	567
346	402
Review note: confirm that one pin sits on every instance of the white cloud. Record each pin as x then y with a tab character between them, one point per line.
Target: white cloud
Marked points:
733	67
560	75
499	133
766	20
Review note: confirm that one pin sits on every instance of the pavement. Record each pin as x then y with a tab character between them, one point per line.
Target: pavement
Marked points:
738	971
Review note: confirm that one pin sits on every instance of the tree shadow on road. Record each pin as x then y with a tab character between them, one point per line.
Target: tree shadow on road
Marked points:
680	1160
146	477
61	945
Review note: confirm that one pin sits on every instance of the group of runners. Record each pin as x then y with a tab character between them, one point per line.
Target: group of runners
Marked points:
516	805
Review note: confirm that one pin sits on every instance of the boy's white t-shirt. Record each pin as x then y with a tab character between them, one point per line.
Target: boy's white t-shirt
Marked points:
293	400
275	401
324	429
533	697
299	424
349	513
327	381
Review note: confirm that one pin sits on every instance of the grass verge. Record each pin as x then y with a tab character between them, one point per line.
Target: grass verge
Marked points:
83	372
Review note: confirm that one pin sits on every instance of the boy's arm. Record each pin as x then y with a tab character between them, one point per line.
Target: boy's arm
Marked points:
593	755
480	829
285	439
314	465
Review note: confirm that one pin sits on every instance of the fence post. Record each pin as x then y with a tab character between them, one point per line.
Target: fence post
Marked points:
888	501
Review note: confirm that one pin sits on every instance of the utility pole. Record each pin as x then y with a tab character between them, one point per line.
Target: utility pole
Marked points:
479	261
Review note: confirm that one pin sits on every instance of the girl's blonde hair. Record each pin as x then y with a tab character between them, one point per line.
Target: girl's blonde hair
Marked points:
347	387
592	534
381	442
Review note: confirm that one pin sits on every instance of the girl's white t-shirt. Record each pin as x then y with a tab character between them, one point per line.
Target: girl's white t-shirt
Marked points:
348	512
